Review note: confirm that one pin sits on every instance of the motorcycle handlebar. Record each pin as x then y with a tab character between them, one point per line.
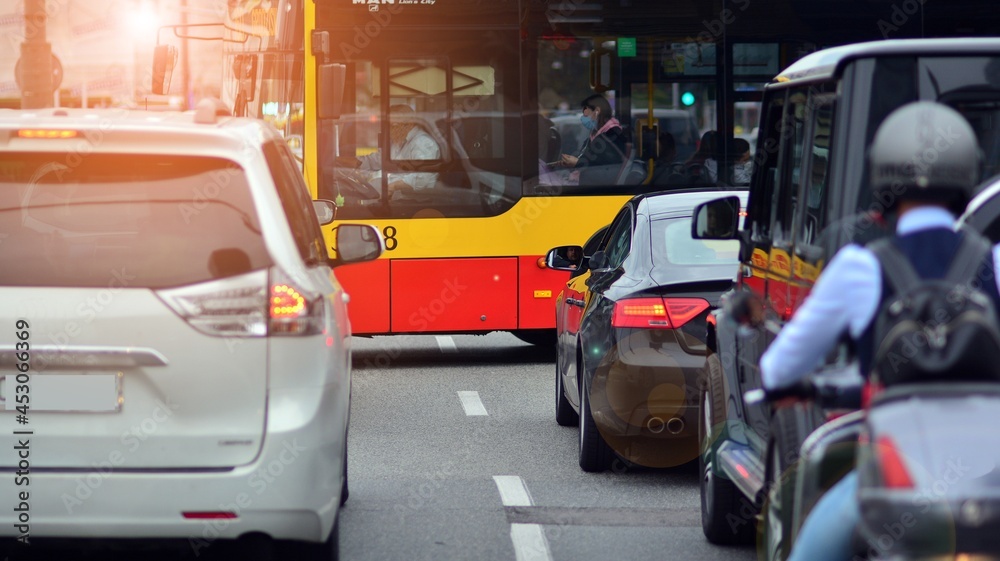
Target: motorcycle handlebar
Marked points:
804	389
828	394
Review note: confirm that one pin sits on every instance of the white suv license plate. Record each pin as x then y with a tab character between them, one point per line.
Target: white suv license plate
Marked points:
68	393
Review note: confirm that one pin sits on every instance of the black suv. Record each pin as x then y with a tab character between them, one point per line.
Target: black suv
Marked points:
809	197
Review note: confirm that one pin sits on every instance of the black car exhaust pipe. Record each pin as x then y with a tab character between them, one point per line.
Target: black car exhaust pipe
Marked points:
655	425
675	425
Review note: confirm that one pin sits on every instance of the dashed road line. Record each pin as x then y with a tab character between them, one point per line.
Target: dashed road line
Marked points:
446	343
512	490
472	404
528	539
530	543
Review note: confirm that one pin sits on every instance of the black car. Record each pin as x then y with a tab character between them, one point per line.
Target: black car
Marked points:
631	369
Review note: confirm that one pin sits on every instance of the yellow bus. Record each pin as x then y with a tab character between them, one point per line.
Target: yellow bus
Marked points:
494	90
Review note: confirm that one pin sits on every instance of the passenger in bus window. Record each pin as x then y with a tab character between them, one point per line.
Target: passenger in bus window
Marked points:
743	166
550	171
603	153
739	148
409	141
696	167
665	165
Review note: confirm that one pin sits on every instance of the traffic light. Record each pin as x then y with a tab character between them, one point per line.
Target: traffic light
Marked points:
687	98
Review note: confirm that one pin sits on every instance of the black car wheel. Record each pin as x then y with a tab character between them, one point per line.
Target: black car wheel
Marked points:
595	455
565	415
721	519
774	539
789	428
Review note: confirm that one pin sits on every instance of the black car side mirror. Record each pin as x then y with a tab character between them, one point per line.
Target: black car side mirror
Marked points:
716	220
745	308
564	258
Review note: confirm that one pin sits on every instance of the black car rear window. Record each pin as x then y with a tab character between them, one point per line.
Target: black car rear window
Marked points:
672	243
68	219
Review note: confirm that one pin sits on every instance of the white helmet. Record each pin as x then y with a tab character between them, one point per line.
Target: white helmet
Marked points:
925	151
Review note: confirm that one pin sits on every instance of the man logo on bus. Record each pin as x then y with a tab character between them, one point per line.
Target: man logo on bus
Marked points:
374	4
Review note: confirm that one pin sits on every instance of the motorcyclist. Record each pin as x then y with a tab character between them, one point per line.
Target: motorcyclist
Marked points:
924	165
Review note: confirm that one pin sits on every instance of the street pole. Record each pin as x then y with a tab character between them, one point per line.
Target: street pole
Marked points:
185	66
36	58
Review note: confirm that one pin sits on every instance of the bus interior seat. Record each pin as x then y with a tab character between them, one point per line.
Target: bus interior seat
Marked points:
632	172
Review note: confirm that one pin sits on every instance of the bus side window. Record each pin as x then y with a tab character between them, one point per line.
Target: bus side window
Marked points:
764	184
815	185
790	169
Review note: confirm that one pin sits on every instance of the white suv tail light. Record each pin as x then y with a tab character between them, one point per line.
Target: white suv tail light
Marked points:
232	307
252	305
290	310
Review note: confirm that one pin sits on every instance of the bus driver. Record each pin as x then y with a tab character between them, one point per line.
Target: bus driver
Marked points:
409	141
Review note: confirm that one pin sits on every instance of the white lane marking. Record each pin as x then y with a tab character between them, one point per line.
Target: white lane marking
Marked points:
528	539
512	490
472	404
446	344
530	543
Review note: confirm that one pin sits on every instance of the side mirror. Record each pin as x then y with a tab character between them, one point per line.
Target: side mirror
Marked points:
564	258
716	220
357	243
745	308
164	60
325	211
331	90
598	261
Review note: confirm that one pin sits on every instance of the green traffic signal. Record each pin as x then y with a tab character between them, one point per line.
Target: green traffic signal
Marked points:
687	98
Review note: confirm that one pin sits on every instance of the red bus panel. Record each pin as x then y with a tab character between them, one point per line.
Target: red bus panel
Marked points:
435	295
537	291
368	286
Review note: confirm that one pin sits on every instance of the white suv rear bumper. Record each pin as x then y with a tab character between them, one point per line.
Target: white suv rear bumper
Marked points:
291	491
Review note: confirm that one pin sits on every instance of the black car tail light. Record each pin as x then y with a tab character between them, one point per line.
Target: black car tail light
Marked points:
656	312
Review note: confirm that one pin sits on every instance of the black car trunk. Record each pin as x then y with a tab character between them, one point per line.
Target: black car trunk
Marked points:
709	290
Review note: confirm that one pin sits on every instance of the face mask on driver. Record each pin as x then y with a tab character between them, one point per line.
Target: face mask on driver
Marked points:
398	133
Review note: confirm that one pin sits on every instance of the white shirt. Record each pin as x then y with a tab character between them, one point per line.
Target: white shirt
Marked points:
741	171
713	169
846	295
418	145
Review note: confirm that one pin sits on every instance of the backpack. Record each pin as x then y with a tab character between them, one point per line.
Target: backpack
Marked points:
936	329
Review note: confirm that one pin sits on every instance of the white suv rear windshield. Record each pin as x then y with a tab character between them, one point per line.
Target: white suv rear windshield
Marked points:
68	219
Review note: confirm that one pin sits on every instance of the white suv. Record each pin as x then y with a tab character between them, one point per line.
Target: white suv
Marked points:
166	295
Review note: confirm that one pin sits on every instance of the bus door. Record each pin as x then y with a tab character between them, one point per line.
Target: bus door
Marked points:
683	106
662	92
428	141
670	88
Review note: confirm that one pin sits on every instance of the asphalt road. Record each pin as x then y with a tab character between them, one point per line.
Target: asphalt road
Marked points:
454	454
439	473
